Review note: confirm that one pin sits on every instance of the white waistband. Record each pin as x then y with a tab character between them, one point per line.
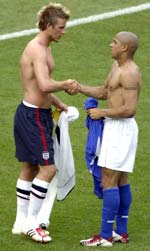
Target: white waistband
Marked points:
29	105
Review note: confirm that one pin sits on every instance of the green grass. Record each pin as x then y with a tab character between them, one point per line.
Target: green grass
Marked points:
21	14
83	54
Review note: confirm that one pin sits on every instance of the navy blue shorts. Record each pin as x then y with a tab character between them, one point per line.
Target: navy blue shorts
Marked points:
33	135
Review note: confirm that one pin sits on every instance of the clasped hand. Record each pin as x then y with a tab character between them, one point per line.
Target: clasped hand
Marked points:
73	87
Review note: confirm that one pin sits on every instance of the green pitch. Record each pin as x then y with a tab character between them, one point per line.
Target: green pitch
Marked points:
84	54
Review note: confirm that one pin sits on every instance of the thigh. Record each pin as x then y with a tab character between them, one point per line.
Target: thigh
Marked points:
123	179
46	172
110	178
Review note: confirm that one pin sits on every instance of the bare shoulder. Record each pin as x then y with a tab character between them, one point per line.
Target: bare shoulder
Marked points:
114	65
131	76
35	50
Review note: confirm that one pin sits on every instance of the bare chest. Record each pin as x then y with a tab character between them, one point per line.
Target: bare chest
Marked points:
114	82
50	62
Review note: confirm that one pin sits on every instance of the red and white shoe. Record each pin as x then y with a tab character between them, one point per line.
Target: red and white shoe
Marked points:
38	235
44	227
123	238
97	240
17	229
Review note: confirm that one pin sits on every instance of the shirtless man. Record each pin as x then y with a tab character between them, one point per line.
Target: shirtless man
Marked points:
118	149
33	122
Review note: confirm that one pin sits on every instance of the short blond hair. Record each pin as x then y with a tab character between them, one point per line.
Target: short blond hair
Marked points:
49	14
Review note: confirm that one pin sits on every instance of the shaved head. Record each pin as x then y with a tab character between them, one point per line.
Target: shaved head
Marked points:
130	39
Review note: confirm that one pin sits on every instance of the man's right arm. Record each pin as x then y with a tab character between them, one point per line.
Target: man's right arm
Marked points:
41	71
98	92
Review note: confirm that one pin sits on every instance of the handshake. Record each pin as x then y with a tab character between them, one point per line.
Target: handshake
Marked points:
72	87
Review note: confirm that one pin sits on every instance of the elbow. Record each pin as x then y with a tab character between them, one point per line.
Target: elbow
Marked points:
45	86
45	89
103	95
130	112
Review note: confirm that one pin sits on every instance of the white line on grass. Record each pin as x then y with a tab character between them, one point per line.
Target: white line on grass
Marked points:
84	20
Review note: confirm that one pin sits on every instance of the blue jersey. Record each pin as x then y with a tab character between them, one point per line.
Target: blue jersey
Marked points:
92	148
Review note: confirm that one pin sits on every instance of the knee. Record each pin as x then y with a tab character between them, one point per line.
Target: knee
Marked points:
47	172
110	178
28	172
53	171
108	182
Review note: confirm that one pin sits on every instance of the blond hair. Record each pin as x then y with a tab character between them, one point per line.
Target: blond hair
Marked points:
49	14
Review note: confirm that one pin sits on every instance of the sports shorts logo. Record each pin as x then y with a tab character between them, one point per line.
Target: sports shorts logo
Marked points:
45	155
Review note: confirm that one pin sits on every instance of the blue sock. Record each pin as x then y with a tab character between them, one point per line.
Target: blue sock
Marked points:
123	212
111	204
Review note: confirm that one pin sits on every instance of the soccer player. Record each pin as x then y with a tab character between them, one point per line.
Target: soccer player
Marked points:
33	122
118	149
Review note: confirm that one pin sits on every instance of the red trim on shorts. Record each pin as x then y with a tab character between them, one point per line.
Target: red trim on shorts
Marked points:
42	132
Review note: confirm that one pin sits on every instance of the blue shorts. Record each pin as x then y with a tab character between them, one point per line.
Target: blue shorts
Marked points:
33	135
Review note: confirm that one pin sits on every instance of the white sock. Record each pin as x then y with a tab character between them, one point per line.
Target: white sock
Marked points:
46	208
38	193
23	195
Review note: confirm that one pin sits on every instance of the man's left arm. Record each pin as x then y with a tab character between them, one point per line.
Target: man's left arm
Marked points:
131	86
57	103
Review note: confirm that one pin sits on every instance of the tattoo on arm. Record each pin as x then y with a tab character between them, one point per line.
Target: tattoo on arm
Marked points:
134	88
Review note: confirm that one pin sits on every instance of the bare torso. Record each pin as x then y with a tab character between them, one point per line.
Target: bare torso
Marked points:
123	85
121	90
32	92
114	89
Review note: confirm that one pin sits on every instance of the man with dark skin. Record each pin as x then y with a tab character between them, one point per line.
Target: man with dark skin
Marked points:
117	154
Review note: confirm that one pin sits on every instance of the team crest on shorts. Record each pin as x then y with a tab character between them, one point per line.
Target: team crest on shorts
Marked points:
45	155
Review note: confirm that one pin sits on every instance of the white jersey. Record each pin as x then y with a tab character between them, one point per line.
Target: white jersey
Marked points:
119	144
64	180
64	159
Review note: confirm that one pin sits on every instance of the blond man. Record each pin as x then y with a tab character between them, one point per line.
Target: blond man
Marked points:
33	122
